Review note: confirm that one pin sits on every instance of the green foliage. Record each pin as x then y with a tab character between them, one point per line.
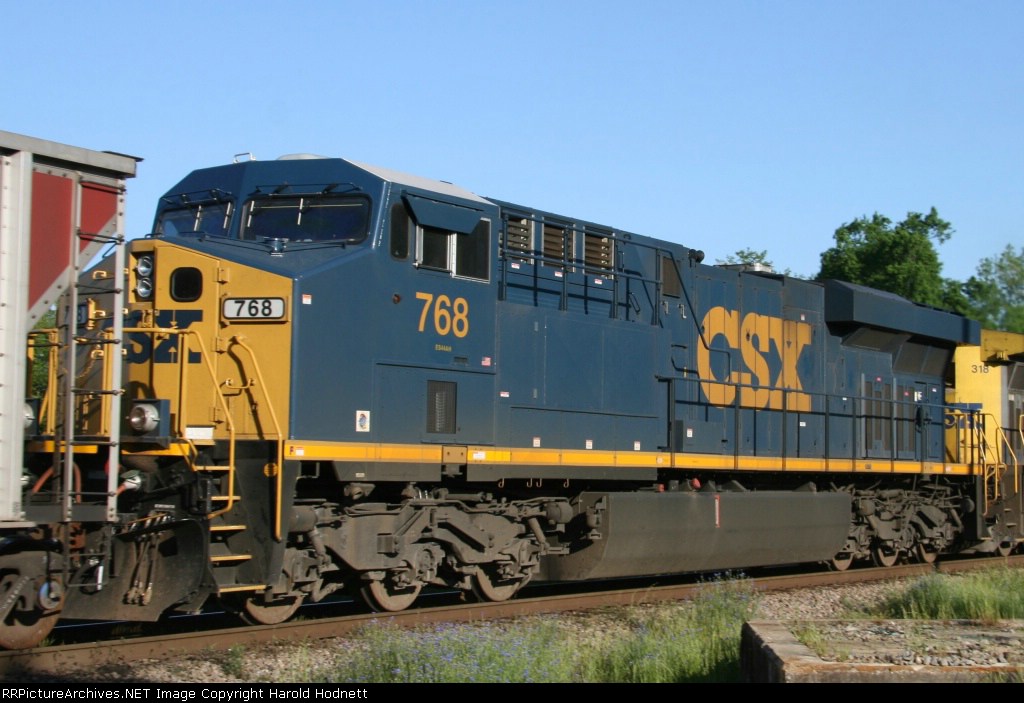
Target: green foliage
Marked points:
818	642
985	595
672	645
233	662
750	256
40	357
747	256
897	257
698	641
484	653
996	293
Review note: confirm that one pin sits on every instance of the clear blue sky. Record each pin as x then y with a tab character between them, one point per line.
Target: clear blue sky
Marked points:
720	125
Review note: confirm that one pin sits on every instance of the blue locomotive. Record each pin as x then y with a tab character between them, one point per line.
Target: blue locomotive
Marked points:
339	377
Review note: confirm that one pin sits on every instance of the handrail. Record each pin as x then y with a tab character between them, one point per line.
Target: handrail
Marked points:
821	407
1005	442
204	355
48	404
239	340
992	457
570	264
972	429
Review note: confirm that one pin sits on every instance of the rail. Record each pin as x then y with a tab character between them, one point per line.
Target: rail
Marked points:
1013	462
615	272
79	409
994	457
279	469
1004	450
183	334
48	403
900	418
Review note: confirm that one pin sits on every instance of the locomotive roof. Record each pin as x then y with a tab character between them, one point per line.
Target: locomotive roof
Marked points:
239	177
406	179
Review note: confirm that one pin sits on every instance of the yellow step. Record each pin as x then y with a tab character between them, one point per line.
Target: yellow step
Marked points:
243	587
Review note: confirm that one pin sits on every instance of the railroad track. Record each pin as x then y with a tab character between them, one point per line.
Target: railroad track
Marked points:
67	658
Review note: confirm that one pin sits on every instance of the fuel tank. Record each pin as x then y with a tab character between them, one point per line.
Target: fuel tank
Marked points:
640	534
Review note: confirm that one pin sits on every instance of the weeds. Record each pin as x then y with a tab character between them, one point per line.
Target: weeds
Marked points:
672	645
233	662
698	641
479	653
986	595
818	642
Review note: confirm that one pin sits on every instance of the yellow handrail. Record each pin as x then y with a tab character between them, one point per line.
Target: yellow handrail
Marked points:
239	340
48	405
1013	457
182	359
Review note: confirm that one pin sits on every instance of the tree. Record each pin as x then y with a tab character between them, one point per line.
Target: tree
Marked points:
41	357
995	294
749	256
900	258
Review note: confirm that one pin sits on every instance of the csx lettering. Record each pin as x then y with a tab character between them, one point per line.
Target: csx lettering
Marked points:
449	317
140	348
762	342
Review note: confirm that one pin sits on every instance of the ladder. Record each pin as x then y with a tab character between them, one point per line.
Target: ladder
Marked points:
87	339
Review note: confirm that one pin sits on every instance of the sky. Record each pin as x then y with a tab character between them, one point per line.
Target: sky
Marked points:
722	125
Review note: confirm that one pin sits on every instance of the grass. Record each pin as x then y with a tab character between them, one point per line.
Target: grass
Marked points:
986	596
698	641
233	662
476	653
996	594
819	643
674	645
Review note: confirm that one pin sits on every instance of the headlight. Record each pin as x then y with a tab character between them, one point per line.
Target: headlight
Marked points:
30	416
144	288
131	480
144	266
144	418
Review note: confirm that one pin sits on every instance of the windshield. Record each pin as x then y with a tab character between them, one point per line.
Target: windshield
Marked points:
313	218
211	218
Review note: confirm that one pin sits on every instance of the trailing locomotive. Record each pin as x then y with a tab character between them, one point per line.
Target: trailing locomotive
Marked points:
342	378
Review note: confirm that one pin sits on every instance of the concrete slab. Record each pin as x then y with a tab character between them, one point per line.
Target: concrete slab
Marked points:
883	651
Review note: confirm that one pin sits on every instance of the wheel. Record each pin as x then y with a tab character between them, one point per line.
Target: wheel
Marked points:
485	588
1004	548
841	561
382	596
884	555
925	554
256	611
24	627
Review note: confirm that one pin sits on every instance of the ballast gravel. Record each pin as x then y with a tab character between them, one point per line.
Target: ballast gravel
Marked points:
869	641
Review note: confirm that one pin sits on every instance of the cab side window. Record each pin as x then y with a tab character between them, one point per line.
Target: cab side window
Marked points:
465	254
471	251
448	237
401	225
